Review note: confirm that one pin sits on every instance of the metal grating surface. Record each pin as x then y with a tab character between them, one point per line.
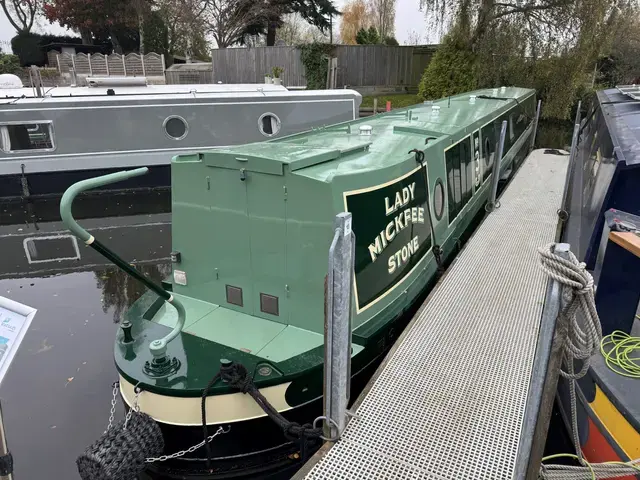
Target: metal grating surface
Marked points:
450	402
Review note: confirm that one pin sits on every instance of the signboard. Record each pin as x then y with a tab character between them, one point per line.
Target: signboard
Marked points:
15	319
391	225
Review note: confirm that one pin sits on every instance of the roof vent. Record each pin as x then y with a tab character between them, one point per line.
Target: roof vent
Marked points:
472	99
435	110
366	130
494	91
503	89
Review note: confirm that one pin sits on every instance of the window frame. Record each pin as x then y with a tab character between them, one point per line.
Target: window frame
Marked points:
463	203
440	183
186	127
52	136
261	130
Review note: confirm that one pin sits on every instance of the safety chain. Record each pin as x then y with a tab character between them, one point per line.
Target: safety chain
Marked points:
162	458
136	408
114	402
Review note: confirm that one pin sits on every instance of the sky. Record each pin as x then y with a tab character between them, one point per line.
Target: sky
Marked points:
408	18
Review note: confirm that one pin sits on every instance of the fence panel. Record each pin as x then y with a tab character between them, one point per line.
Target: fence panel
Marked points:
82	63
133	65
116	65
153	65
99	64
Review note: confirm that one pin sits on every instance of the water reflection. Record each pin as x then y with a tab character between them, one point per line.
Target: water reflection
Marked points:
119	290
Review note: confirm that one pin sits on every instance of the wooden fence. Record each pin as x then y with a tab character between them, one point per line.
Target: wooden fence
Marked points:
358	65
132	64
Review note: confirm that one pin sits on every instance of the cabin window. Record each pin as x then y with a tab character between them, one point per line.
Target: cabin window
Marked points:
269	124
176	127
16	137
438	199
512	132
459	176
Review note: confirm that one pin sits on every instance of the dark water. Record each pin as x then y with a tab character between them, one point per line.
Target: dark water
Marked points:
56	396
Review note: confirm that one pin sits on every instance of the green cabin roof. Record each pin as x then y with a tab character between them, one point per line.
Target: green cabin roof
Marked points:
341	149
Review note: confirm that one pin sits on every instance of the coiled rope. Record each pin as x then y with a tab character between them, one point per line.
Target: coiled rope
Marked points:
584	334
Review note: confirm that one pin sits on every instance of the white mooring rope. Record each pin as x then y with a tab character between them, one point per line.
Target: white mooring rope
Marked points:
584	334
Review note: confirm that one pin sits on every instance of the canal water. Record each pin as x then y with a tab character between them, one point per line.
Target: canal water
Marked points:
57	395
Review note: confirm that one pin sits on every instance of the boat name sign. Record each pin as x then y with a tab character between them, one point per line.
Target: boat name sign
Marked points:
392	233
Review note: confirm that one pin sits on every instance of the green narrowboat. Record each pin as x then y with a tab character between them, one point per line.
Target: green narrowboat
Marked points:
251	230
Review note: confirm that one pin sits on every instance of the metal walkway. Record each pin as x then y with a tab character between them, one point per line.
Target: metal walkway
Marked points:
449	402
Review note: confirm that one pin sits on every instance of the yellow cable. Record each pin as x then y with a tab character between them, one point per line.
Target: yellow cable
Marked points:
575	457
621	353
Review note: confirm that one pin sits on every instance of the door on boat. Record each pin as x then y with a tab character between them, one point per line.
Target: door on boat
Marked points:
267	216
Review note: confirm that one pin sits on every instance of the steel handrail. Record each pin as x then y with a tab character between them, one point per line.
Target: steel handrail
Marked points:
158	347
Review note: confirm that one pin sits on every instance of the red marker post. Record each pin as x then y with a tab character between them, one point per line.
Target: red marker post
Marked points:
388	105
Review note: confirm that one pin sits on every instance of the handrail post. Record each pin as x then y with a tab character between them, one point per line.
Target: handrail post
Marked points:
337	340
495	174
547	363
535	126
563	212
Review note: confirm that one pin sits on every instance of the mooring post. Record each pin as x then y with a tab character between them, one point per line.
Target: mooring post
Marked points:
548	360
375	105
337	339
491	204
6	460
535	125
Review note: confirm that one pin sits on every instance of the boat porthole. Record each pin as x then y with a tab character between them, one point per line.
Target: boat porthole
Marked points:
175	127
269	124
438	199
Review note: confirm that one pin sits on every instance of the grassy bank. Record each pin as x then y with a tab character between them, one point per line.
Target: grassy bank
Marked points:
397	100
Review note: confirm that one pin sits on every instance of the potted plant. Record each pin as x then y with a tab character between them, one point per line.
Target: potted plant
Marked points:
276	72
267	78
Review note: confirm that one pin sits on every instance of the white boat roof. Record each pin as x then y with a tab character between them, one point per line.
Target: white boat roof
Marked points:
156	92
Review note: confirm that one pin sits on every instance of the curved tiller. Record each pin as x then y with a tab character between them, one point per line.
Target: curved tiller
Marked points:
158	347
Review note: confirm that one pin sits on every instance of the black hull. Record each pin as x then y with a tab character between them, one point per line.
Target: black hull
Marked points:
55	183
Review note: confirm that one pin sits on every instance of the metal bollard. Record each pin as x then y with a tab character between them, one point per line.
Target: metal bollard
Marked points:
491	204
337	335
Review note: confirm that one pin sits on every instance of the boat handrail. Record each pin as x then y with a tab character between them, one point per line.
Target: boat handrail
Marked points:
158	347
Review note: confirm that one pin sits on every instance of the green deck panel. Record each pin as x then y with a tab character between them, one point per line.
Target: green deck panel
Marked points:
293	341
236	330
196	309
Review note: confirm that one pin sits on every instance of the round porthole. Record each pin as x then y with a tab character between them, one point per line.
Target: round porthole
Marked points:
438	199
175	127
269	124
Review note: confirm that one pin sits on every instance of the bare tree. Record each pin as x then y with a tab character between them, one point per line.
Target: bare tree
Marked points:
414	38
21	13
227	20
182	18
295	30
384	16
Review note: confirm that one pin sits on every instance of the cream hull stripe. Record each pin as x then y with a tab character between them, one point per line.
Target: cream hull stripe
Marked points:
233	407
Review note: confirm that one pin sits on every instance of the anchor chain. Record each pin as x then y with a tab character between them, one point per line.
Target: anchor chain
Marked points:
136	408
